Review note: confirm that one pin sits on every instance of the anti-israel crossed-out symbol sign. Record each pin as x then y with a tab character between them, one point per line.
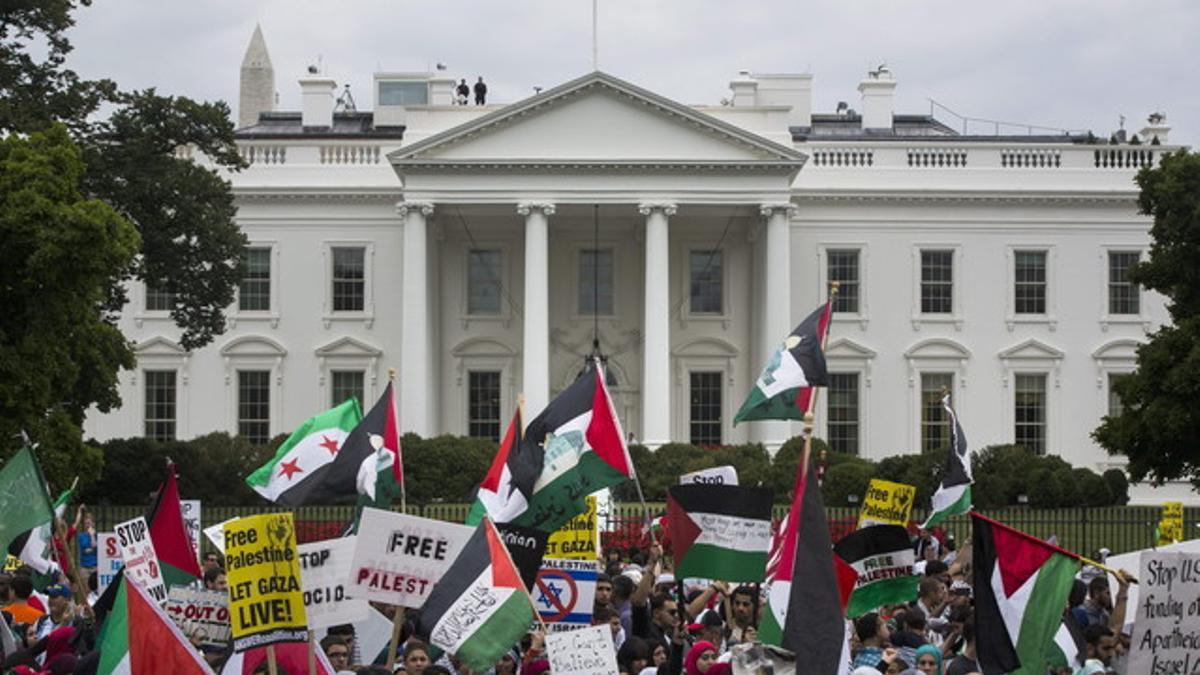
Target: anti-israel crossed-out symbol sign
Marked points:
557	595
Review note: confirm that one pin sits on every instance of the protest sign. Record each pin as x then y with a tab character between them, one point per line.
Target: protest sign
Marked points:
718	475
398	558
324	570
216	534
141	562
587	651
565	593
526	545
11	563
190	508
1166	628
887	503
1170	528
108	559
266	605
201	614
579	538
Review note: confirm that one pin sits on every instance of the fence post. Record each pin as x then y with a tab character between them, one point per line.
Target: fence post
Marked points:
1083	519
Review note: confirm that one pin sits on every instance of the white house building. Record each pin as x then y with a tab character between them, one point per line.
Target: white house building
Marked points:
481	250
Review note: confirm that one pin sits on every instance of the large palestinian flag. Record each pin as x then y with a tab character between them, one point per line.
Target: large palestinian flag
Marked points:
375	444
309	467
507	488
169	534
720	531
953	496
24	504
479	609
784	389
883	557
1021	586
139	637
34	547
583	450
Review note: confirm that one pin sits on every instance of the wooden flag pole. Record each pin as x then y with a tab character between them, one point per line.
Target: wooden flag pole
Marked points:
397	624
272	665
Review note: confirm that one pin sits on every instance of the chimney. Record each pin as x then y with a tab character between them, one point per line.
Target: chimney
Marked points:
878	91
441	90
257	82
787	89
745	90
1156	128
316	96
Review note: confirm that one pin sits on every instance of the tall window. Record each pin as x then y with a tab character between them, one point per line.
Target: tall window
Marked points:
1115	406
345	384
483	404
349	278
160	405
159	300
254	294
935	433
254	405
705	408
1029	411
1029	293
1123	296
596	281
483	281
843	268
706	282
843	412
937	282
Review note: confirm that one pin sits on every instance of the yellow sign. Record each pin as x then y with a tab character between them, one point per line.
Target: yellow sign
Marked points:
579	539
266	603
1170	529
887	503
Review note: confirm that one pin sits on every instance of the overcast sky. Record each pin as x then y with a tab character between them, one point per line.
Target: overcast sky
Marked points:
1059	63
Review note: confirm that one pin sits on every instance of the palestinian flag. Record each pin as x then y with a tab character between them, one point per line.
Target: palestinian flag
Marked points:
375	442
24	503
479	608
35	548
806	617
883	557
507	488
169	534
309	467
1021	586
1069	644
784	389
953	496
720	531
290	657
139	637
583	450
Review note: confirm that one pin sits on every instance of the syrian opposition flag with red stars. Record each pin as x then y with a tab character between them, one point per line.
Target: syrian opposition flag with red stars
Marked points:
1021	586
784	389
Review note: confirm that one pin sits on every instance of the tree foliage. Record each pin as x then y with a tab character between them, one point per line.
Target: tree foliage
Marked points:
1159	426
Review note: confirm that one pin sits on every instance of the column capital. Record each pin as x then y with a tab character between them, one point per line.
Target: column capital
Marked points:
768	209
525	208
403	208
646	208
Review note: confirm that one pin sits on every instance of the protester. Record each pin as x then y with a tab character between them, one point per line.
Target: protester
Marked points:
85	539
215	580
20	588
1097	608
337	651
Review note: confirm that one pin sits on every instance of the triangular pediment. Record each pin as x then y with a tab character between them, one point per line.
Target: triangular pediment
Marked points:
160	346
1032	349
595	120
348	346
845	348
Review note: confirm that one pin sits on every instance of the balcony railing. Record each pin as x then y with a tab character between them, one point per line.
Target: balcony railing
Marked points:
858	156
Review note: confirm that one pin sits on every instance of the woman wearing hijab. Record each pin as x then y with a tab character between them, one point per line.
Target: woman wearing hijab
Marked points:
701	659
929	660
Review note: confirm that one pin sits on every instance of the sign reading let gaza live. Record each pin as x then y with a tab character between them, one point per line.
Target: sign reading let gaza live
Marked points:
578	538
399	558
887	503
266	605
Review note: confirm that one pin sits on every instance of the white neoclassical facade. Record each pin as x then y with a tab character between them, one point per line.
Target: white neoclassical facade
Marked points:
485	251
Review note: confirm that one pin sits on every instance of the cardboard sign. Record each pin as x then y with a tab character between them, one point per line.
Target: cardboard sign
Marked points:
11	563
399	558
324	570
141	561
587	651
216	534
718	475
201	614
565	593
190	508
887	503
1170	528
108	559
1166	629
266	605
579	539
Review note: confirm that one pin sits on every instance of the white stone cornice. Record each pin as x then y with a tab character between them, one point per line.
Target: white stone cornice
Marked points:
769	209
525	208
646	208
402	208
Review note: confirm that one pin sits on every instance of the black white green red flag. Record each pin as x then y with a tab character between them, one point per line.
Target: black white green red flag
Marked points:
785	387
953	496
35	549
375	444
507	489
138	637
1021	585
720	531
169	534
883	557
24	502
479	608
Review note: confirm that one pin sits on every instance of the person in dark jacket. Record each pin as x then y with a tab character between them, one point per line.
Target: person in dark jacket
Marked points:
480	92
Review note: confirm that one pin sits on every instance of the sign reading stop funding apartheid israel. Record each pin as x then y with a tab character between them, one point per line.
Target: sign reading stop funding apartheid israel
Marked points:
1166	627
887	503
398	558
325	569
579	538
141	561
266	605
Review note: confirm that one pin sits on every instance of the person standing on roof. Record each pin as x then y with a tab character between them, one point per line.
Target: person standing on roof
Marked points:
480	91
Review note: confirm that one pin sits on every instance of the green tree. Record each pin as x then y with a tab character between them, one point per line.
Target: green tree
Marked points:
1159	426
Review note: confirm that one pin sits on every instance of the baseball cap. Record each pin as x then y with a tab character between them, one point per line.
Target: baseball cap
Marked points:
58	591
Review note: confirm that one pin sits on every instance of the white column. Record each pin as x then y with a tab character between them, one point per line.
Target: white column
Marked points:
416	376
535	352
656	354
775	308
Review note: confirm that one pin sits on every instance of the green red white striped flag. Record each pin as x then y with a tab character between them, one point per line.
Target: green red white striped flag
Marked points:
720	531
883	557
785	387
953	496
169	534
139	637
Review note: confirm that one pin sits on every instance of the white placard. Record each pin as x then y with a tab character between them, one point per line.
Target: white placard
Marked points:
399	558
191	520
108	559
141	562
1166	629
565	593
201	614
216	534
324	569
718	475
587	651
